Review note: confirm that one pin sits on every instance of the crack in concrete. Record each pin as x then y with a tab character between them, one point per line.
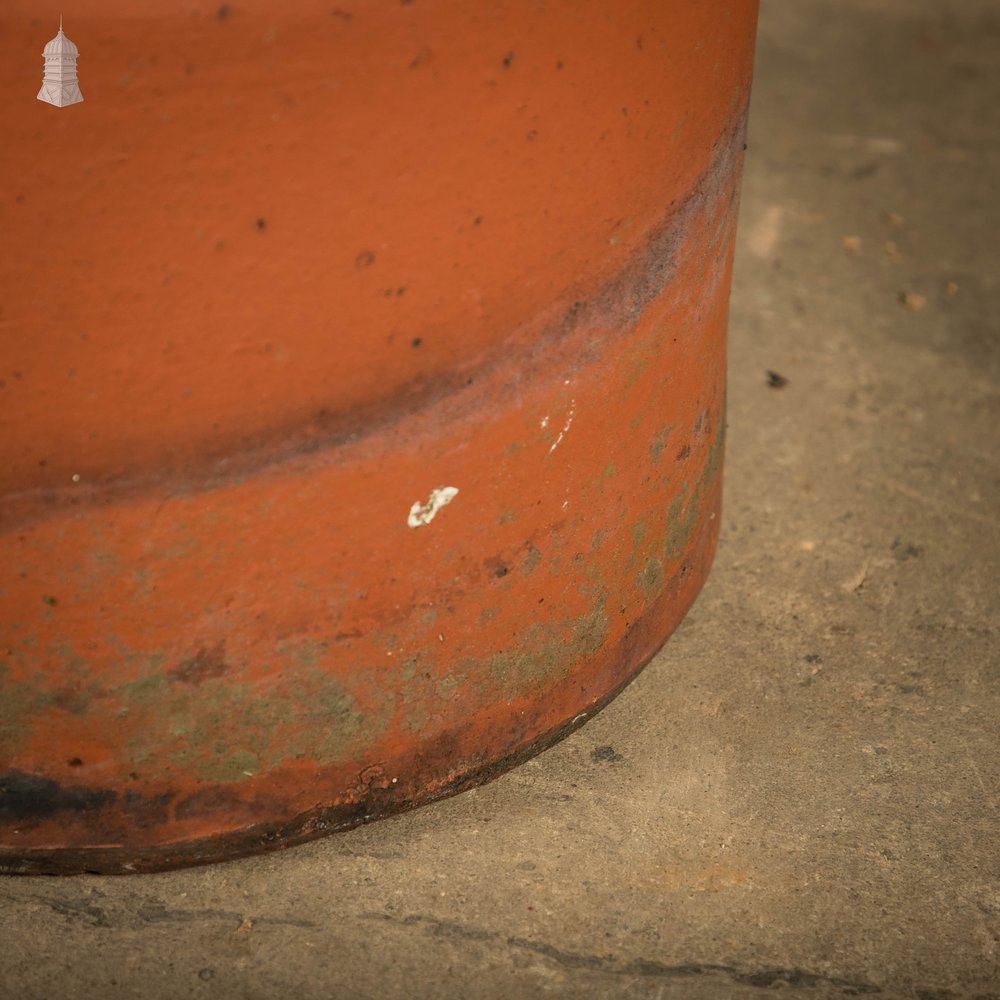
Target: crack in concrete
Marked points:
764	978
149	912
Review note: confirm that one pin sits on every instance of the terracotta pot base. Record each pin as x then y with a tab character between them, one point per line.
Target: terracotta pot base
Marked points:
235	622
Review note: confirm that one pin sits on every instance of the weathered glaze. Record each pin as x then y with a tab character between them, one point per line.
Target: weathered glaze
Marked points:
284	274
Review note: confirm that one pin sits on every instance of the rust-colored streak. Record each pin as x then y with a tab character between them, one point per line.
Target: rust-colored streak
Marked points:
357	448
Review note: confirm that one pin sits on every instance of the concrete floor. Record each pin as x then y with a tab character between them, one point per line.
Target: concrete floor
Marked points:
800	795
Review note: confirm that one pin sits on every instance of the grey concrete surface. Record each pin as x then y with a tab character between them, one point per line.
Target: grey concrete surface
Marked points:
801	792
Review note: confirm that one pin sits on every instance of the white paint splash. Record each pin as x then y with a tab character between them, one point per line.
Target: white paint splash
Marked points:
424	513
566	426
544	422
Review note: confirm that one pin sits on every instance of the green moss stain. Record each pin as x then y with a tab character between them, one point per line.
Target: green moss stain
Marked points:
589	633
638	533
411	668
446	688
686	506
659	442
681	519
102	565
639	357
713	460
220	729
531	561
306	653
19	704
542	655
650	580
145	692
237	766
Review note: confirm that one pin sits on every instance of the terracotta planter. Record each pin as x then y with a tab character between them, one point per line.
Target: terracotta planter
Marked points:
362	399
